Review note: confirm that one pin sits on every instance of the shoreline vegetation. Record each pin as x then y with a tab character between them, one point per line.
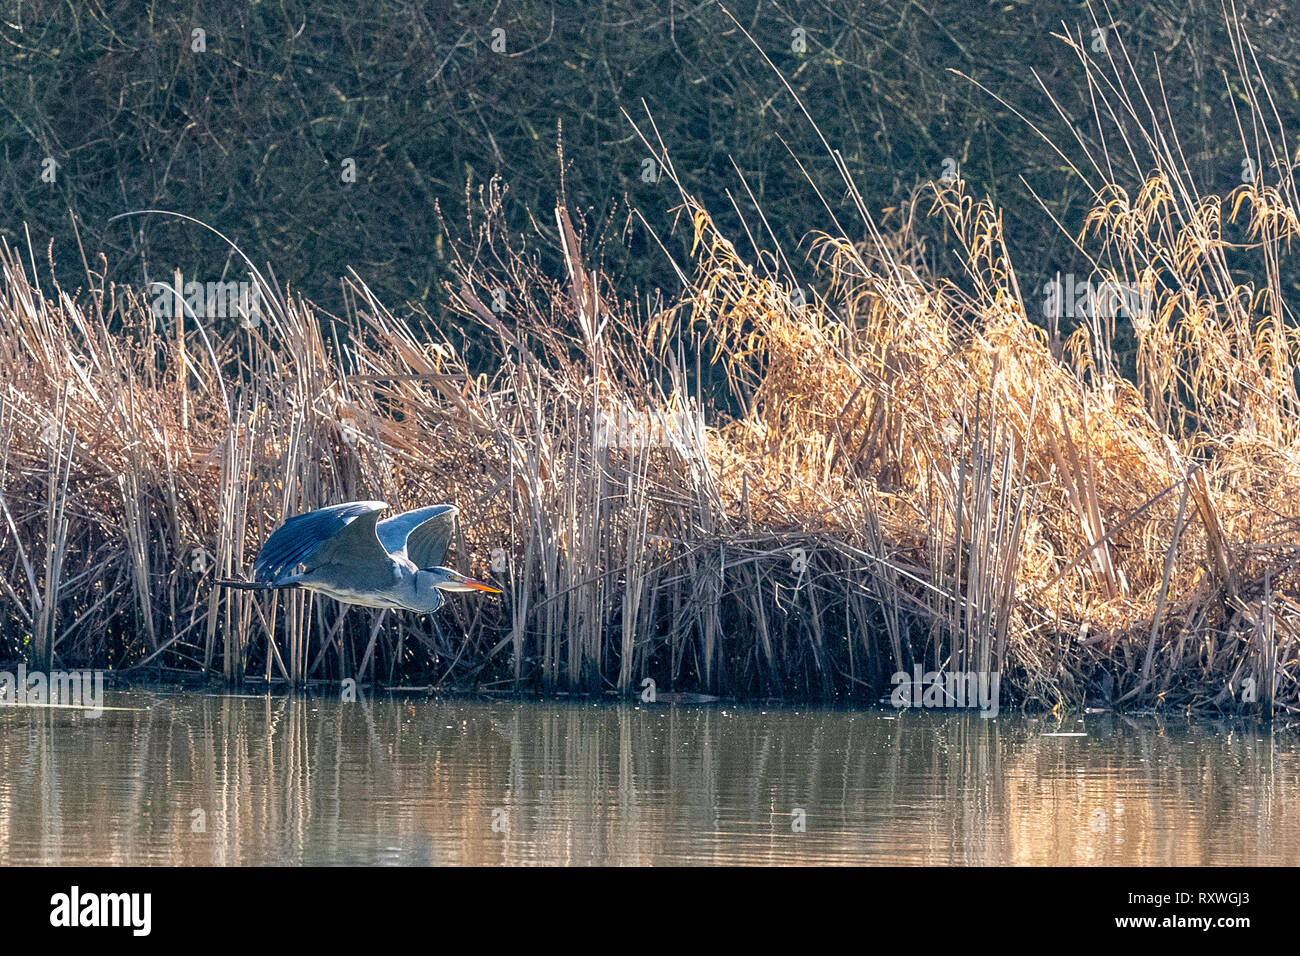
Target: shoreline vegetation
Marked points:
905	471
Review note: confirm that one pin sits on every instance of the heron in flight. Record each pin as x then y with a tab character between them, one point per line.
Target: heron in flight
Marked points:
347	553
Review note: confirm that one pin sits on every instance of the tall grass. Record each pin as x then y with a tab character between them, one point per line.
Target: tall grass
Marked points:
914	473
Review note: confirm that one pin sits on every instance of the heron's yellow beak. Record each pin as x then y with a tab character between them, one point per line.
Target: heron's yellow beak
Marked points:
479	586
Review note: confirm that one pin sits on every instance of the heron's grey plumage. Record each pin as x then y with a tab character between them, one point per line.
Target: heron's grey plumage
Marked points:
295	541
423	535
345	552
353	561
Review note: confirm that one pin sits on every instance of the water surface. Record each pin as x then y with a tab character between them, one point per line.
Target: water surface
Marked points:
194	778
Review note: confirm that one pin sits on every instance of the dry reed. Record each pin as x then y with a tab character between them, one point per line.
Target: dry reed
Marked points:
918	474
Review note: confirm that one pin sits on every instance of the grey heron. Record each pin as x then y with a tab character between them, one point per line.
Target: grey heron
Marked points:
347	553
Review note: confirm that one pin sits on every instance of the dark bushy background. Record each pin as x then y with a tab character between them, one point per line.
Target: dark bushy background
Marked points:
251	135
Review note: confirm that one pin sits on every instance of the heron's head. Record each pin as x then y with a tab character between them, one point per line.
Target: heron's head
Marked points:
446	579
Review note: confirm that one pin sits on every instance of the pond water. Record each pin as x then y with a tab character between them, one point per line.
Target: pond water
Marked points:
195	778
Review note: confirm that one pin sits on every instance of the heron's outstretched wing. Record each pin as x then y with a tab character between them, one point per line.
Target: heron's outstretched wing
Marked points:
423	534
304	538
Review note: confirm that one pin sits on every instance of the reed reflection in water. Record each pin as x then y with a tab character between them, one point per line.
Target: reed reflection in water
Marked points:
191	778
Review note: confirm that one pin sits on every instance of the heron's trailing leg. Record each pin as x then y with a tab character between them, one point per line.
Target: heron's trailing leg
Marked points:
256	585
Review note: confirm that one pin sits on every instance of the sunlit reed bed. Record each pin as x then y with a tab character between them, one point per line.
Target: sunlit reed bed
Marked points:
911	473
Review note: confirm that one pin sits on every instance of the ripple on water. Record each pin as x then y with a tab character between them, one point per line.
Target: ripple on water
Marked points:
197	778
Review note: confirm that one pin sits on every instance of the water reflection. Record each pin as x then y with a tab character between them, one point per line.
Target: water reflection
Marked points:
199	779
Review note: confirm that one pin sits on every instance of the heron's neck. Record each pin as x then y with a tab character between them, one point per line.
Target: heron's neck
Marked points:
429	599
